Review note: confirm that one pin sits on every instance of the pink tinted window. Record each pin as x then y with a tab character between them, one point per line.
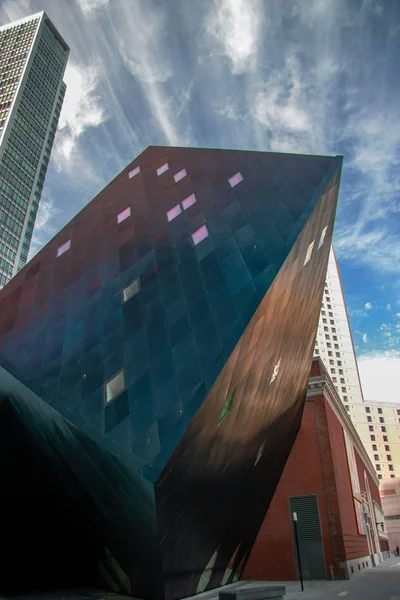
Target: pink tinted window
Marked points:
174	212
64	248
200	234
162	169
124	215
134	172
235	179
188	201
180	175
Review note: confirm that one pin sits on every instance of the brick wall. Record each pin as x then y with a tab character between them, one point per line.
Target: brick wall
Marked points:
317	465
272	555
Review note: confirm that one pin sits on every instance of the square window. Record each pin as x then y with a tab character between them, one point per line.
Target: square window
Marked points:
376	456
61	249
369	419
235	179
180	175
379	411
124	215
372	438
383	428
134	172
114	386
174	212
391	468
188	201
374	447
308	256
378	467
200	234
388	457
371	427
387	448
162	169
385	438
130	290
367	409
381	420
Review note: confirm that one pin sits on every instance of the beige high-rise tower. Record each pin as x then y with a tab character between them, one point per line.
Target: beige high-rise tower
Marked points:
377	423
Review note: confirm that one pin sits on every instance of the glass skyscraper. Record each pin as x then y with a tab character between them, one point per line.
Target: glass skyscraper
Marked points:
33	57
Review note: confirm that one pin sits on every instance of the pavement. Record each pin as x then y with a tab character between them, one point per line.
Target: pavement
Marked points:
378	583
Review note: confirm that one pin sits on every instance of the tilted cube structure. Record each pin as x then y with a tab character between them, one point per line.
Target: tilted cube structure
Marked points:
166	336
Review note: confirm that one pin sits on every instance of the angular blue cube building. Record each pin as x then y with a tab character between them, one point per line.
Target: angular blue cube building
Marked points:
155	361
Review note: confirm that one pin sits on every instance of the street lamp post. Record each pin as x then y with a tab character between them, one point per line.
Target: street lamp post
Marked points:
296	537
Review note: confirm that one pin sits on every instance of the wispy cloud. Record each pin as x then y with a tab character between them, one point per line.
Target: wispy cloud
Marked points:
44	226
368	306
364	338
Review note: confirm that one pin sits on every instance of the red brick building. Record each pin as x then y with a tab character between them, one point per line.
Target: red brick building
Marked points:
330	483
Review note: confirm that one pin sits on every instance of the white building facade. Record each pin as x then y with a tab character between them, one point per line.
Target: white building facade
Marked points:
377	423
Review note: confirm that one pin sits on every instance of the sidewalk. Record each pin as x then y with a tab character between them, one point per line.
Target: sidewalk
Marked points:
382	581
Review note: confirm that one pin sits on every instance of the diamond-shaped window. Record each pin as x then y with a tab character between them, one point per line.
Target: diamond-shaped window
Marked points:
227	407
114	386
322	237
162	169
200	234
235	179
180	175
61	249
124	215
309	252
134	172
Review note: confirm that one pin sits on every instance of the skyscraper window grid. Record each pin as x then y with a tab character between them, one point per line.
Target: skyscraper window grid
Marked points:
33	58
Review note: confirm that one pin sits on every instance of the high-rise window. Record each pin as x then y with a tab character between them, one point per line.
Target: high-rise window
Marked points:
30	107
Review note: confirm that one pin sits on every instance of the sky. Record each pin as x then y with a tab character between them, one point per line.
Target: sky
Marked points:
312	76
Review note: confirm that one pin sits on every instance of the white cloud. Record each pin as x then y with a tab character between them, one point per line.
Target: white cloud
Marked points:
364	338
368	306
88	6
380	376
235	27
388	307
82	107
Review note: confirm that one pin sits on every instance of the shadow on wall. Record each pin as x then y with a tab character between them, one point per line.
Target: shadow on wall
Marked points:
69	507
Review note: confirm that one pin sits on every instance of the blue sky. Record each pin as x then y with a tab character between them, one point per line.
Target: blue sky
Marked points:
315	76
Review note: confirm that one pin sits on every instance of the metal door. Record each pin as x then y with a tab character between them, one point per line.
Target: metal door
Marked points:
310	537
